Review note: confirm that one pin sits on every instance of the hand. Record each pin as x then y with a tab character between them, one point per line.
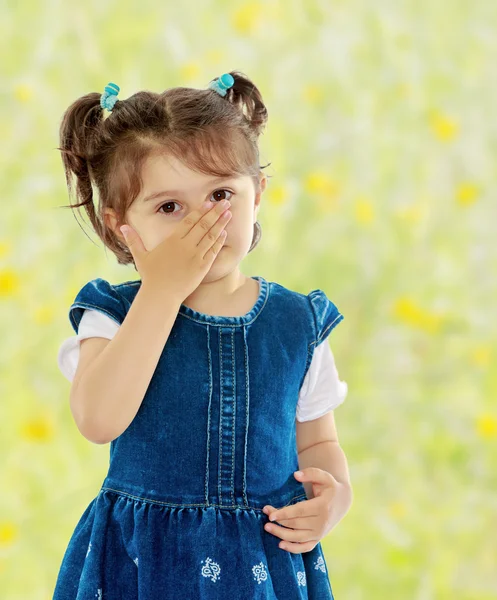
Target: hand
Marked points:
181	261
311	520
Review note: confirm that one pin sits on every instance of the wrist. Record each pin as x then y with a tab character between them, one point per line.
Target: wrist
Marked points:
160	295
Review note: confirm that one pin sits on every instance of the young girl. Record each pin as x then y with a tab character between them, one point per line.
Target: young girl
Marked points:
208	384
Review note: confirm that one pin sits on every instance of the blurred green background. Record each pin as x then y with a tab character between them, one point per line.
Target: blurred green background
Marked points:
382	137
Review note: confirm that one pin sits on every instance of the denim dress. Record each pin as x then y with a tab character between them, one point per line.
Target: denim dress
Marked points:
179	513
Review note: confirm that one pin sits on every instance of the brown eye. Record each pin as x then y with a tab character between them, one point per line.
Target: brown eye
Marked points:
221	192
167	204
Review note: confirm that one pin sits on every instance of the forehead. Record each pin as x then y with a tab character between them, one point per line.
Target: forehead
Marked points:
168	169
167	173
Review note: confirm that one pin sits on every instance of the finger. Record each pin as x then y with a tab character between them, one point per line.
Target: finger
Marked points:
216	247
290	535
274	513
305	508
189	222
214	221
213	240
133	241
315	475
298	548
308	522
199	227
268	509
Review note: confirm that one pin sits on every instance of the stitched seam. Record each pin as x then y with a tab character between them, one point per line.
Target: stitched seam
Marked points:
310	350
233	420
120	300
88	305
126	283
209	412
268	292
330	326
247	396
173	504
220	443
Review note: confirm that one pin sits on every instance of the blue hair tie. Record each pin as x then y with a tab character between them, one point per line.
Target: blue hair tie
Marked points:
109	97
222	84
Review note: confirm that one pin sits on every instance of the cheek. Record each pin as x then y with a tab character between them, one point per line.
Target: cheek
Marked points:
240	215
240	229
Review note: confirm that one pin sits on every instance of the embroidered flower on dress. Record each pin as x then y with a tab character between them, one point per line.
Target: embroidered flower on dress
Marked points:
260	573
89	548
319	564
136	561
211	569
301	577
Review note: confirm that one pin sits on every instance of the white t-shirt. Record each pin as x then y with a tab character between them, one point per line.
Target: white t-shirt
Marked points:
321	389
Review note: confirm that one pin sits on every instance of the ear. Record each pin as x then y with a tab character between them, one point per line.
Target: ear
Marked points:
111	221
262	183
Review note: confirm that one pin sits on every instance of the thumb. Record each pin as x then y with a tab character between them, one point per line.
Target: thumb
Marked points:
133	240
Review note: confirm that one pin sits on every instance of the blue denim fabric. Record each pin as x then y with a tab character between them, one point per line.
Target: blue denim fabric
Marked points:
179	513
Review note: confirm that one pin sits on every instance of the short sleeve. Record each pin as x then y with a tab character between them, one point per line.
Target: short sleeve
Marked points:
93	324
326	315
322	390
100	295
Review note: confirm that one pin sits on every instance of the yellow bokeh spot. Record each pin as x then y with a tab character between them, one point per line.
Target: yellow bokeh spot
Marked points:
190	71
313	94
467	193
486	426
364	210
38	429
8	533
444	127
4	249
407	311
277	195
246	18
397	509
319	182
23	92
9	282
325	188
481	356
398	558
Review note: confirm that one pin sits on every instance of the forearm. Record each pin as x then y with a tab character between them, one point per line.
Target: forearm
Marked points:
328	456
113	386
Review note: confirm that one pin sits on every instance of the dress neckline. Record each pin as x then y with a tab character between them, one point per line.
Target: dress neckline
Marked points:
249	316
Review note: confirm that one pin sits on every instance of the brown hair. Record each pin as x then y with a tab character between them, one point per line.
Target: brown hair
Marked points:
209	133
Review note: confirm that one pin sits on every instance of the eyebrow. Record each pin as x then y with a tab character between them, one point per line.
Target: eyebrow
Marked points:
155	195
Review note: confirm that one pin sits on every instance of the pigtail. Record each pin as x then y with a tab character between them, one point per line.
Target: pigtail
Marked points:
245	95
77	136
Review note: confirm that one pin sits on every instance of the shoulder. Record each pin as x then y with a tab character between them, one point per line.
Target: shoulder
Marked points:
99	294
325	312
288	297
320	312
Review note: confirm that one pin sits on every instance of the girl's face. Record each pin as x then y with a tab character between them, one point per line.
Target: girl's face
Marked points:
177	192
